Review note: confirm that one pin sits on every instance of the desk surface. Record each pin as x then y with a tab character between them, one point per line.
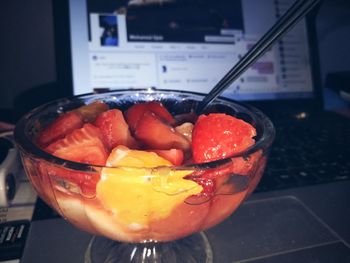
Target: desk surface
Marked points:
309	224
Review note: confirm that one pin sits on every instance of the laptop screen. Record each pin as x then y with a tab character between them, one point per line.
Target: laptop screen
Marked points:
186	45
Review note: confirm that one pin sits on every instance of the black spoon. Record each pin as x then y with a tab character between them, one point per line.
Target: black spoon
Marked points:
292	16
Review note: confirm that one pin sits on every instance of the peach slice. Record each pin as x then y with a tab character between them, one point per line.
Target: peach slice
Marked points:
135	195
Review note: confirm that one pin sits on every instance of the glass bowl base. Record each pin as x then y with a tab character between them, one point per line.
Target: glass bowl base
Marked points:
192	249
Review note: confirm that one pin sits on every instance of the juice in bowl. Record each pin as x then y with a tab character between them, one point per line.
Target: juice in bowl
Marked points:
141	172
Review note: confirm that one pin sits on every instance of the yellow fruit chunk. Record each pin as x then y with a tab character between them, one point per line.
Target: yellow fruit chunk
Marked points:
123	156
136	194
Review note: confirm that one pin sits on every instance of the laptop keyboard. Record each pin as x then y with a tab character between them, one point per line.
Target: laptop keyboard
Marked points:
308	151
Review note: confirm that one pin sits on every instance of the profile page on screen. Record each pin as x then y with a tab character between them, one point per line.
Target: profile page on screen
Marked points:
186	45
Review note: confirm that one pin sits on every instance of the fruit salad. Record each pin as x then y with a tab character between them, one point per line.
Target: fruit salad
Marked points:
148	174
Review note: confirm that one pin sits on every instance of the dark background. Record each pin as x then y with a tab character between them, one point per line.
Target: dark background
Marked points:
27	56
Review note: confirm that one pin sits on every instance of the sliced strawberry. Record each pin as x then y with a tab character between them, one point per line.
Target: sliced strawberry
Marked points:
211	179
83	145
115	130
92	110
135	112
63	125
75	182
207	184
155	134
175	156
218	135
159	109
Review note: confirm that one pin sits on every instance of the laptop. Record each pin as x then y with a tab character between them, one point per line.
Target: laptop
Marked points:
294	215
190	45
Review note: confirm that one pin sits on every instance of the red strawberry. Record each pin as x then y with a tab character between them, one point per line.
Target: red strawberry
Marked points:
75	182
159	109
175	156
82	145
114	129
207	193
211	179
218	135
156	134
135	112
63	125
207	184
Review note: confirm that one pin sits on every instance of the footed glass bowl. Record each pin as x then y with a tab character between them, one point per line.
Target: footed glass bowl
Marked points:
142	214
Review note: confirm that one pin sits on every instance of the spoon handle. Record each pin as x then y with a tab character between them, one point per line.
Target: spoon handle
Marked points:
292	16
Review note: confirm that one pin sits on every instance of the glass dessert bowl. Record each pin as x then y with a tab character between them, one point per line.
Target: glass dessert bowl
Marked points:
150	200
